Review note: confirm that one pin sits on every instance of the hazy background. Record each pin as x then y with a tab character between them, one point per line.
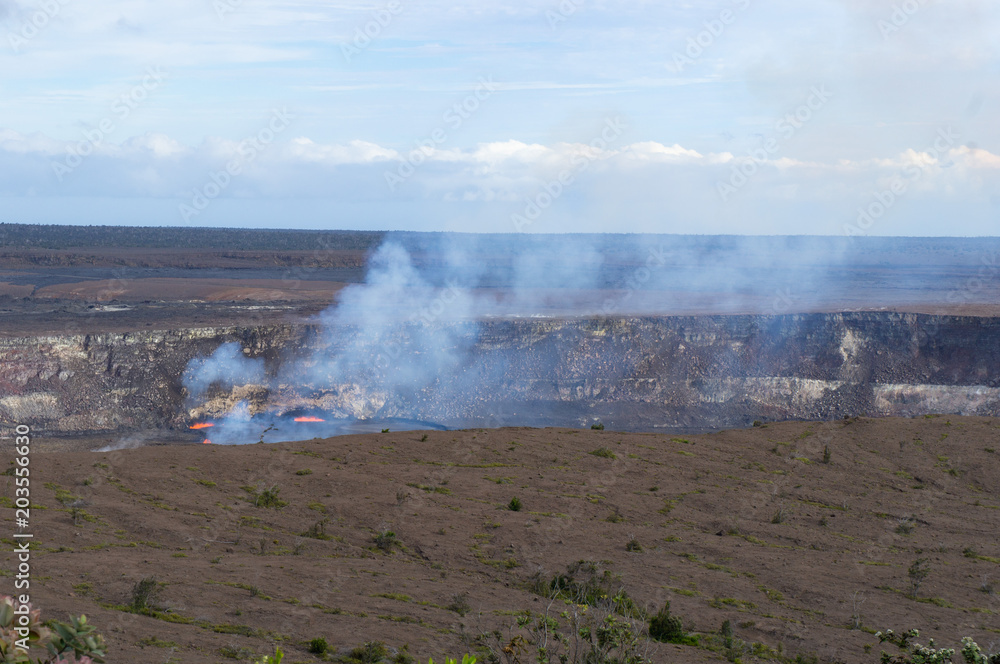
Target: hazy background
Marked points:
121	112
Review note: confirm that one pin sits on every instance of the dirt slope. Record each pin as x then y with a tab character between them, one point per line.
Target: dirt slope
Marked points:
238	576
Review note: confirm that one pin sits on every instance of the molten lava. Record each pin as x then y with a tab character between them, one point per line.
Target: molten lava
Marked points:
206	442
202	425
308	419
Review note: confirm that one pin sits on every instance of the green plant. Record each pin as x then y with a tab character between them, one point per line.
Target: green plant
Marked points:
604	453
633	544
386	540
466	659
779	516
460	604
669	629
266	497
144	595
371	652
423	438
318	646
917	572
76	641
515	504
273	659
597	427
304	471
385	431
826	454
317	531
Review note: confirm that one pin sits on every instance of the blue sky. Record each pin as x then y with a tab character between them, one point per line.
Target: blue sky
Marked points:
873	117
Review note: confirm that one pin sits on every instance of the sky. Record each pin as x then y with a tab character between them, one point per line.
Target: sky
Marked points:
825	117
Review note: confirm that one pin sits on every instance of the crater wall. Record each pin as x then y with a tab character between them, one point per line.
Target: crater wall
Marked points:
700	372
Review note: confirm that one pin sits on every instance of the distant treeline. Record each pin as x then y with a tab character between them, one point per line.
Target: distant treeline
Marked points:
41	236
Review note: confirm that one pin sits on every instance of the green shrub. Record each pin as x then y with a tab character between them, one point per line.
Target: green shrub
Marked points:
604	453
371	652
144	595
515	504
386	540
597	427
317	531
460	604
318	646
669	629
266	497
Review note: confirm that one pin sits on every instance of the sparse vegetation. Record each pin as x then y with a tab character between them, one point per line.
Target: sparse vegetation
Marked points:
266	497
386	541
145	594
597	427
917	572
371	652
515	504
668	628
460	604
604	453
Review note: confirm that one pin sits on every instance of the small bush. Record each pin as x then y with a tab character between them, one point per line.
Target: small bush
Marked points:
304	471
779	516
317	531
423	438
597	427
515	504
144	595
318	646
604	453
386	541
918	572
633	545
460	604
385	431
904	526
826	454
371	652
266	497
666	628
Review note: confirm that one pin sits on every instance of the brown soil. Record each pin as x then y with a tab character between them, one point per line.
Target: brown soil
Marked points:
703	509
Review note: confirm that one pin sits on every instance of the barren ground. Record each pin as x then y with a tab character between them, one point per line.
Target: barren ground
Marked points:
237	577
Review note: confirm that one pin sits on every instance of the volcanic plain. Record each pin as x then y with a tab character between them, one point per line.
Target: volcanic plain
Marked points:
800	534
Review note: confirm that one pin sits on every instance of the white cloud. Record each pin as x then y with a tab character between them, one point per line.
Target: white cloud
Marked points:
627	187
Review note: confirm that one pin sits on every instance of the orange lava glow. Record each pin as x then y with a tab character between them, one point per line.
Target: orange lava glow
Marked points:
206	442
203	425
308	419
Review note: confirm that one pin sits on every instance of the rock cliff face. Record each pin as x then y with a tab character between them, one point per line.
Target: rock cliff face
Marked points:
630	373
